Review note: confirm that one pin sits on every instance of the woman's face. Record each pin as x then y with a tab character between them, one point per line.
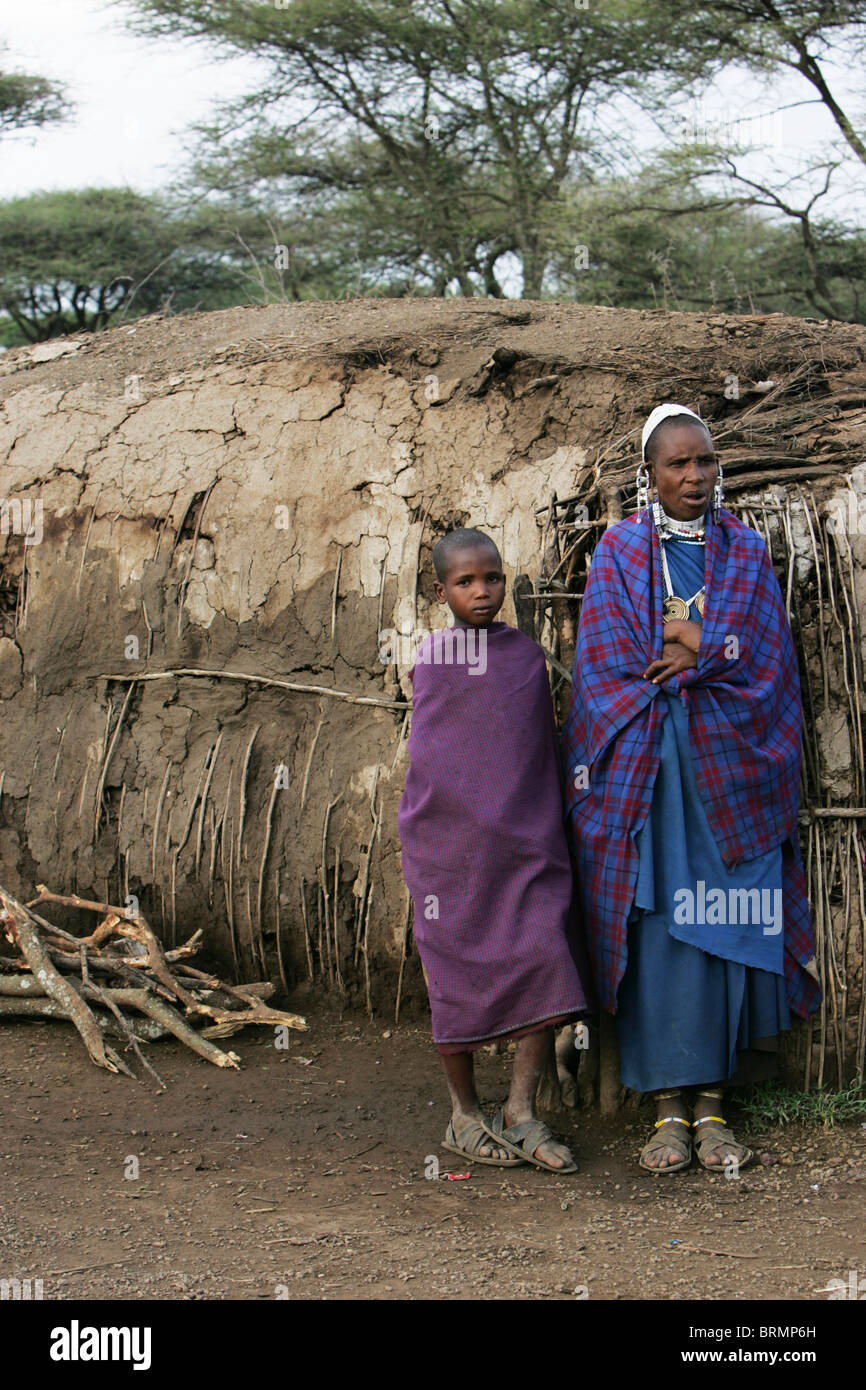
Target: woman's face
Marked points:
685	468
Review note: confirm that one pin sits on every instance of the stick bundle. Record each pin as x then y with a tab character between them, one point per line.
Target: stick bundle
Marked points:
119	982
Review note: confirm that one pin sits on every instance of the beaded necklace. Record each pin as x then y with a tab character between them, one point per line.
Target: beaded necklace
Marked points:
670	528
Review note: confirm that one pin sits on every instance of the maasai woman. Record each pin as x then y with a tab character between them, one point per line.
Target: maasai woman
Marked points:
683	748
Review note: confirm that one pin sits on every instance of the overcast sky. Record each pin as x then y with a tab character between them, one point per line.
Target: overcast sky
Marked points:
135	101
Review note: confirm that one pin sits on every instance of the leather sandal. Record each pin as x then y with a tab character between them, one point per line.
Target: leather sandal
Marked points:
523	1138
714	1134
678	1142
470	1139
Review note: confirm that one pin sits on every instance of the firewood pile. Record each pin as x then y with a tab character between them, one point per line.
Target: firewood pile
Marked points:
119	983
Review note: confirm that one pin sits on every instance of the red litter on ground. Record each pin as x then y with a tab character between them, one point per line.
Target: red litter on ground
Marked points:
456	1177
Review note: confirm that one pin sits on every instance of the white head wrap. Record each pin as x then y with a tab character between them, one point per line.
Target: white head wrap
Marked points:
663	412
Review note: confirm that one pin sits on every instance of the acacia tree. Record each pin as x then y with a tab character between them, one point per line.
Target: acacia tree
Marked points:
72	261
659	239
432	140
770	37
463	118
29	101
815	263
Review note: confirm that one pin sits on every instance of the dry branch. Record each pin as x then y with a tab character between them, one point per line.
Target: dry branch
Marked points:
159	981
258	680
23	932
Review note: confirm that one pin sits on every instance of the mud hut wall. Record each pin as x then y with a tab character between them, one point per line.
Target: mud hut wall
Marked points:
271	517
204	523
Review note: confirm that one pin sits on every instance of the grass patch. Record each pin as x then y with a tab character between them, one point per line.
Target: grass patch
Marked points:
773	1104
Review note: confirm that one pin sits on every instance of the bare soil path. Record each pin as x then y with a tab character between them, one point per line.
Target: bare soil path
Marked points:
303	1176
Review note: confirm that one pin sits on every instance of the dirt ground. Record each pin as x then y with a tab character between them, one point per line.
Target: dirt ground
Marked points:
457	329
302	1176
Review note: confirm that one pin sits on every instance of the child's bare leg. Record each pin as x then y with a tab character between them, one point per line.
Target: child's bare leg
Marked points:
465	1105
529	1058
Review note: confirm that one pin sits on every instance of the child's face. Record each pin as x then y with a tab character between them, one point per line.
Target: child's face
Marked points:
474	586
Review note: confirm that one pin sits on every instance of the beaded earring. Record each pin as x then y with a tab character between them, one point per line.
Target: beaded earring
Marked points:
718	494
642	483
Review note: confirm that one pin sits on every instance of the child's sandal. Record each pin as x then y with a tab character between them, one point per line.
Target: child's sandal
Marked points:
473	1137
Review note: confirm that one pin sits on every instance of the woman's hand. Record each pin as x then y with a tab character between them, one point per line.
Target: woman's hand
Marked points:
683	630
675	657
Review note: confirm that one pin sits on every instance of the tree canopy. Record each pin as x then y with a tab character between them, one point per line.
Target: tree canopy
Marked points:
479	146
443	140
73	260
27	101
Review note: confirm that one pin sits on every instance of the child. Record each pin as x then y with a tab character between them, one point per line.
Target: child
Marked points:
485	856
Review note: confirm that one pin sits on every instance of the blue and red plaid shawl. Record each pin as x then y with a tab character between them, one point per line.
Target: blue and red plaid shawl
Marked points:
743	703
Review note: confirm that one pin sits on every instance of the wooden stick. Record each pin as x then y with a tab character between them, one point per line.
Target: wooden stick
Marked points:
252	996
109	1003
557	665
340	985
149	630
324	880
136	929
335	595
21	986
56	760
310	757
704	1250
111	965
173	928
374	839
192	808
403	728
257	945
15	915
42	1007
258	680
215	826
86	543
302	886
381	599
215	752
418	558
228	890
100	785
402	960
365	884
185	583
72	900
269	825
319	918
166	1015
243	793
277	928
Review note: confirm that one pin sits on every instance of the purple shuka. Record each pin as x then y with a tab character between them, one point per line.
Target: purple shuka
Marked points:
481	825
